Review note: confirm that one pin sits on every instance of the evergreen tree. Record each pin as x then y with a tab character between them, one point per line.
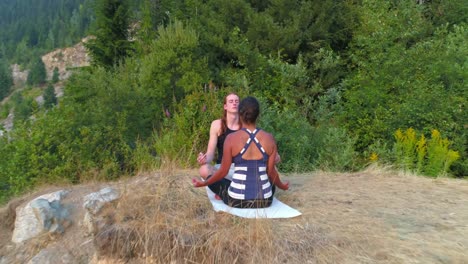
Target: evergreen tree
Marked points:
6	79
55	76
37	75
50	41
23	108
49	96
147	30
112	43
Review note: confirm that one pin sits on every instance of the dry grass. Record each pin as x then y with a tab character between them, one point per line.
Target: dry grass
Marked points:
373	216
164	219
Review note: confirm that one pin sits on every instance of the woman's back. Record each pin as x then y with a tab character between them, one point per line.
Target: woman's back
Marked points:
250	180
239	138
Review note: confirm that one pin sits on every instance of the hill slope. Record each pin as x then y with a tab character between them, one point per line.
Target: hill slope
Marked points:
374	216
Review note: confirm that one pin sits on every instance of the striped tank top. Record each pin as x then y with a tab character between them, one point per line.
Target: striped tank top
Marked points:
250	180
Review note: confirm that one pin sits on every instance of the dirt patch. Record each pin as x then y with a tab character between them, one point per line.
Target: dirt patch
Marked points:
390	218
374	216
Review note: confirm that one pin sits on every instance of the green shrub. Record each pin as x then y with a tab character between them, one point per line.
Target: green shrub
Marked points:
5	110
405	148
405	73
337	150
295	137
378	152
144	157
439	156
431	157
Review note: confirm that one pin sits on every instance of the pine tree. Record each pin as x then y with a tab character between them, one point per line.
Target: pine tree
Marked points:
23	108
55	76
37	75
6	79
49	96
147	30
112	43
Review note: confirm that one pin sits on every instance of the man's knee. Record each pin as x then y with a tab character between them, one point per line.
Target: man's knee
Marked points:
205	171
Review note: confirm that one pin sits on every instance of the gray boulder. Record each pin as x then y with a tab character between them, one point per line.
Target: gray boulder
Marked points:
93	202
43	214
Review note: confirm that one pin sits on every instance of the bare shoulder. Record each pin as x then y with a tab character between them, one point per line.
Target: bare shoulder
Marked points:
216	125
267	136
267	140
238	137
216	122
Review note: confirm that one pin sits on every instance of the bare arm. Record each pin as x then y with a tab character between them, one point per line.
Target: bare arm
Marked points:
208	157
271	168
223	170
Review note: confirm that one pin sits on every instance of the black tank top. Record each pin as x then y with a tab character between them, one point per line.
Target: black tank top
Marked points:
220	144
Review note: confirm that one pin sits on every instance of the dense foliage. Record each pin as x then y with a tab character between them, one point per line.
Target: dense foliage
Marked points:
338	82
407	74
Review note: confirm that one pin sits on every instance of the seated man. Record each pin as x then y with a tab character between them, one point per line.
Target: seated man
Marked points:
219	130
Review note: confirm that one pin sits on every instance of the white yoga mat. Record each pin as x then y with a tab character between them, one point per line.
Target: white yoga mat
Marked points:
276	210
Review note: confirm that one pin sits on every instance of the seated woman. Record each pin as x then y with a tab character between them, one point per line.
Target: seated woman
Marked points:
253	152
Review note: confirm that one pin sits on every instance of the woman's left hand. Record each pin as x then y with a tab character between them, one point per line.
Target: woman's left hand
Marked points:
197	183
285	186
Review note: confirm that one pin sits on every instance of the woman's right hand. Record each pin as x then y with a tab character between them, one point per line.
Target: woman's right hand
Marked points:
277	158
